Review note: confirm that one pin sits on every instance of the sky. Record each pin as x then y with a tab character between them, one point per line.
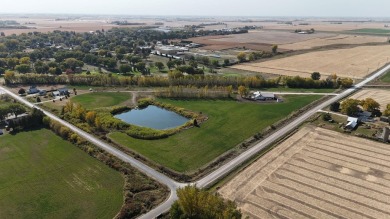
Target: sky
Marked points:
261	8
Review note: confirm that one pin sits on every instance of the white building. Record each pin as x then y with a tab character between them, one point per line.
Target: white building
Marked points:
263	96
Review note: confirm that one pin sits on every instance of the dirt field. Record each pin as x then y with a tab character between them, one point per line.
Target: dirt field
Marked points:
379	95
316	173
351	62
256	40
333	40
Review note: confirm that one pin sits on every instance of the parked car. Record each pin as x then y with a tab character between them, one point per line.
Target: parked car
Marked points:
1	132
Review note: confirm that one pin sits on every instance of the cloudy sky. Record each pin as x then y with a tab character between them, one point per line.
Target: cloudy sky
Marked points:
332	8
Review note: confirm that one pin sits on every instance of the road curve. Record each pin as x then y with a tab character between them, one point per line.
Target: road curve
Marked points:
225	169
170	183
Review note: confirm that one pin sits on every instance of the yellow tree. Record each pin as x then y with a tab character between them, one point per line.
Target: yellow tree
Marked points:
350	107
242	90
370	104
241	56
90	117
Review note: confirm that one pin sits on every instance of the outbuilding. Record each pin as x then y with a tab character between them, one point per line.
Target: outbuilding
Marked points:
263	96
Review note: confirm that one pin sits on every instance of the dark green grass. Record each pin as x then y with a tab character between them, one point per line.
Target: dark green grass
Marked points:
371	30
229	123
101	99
43	176
301	90
386	77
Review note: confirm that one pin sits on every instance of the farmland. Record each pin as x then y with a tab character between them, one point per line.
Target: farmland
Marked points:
229	123
379	95
333	40
316	173
101	99
355	62
43	176
371	31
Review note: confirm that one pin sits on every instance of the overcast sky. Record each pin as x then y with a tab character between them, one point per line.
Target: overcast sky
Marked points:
319	8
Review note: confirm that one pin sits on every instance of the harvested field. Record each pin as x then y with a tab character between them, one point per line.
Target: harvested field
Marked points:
379	95
355	62
316	173
256	40
333	40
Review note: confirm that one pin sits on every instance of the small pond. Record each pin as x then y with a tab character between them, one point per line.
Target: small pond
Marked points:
153	117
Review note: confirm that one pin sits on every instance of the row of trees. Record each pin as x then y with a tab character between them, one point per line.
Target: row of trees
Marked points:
11	109
353	106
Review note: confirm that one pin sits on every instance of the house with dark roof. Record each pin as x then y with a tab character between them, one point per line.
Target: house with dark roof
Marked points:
32	90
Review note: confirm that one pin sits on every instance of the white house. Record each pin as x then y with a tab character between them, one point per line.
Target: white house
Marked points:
351	123
263	96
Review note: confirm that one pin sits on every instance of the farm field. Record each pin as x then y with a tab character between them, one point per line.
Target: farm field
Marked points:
379	95
371	30
256	40
333	40
385	78
43	176
355	62
229	123
316	173
101	99
320	25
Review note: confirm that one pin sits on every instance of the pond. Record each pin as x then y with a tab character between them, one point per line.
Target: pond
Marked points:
153	117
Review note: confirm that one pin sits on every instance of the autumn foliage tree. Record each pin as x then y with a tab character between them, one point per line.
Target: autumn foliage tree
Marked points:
194	203
350	107
369	104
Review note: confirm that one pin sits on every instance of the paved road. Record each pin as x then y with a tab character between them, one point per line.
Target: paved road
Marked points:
215	175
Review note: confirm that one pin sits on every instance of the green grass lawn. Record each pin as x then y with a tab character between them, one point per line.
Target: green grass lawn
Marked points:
300	90
386	77
101	99
371	30
229	123
43	176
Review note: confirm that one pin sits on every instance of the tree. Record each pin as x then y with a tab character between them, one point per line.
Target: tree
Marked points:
170	64
124	68
315	76
159	65
335	107
226	62
25	60
326	117
194	203
350	107
215	63
23	68
387	110
345	82
21	91
90	117
251	57
274	49
242	90
241	57
370	105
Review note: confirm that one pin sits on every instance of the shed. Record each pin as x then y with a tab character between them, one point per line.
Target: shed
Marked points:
352	122
32	90
263	96
56	93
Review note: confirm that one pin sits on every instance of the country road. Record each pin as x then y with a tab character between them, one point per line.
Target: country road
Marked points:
218	173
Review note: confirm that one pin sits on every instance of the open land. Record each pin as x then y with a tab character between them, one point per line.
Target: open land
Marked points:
229	123
43	176
355	62
333	40
101	99
316	173
381	96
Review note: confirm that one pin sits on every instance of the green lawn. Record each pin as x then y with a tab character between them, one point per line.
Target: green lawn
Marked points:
43	176
386	77
101	99
371	30
229	123
300	90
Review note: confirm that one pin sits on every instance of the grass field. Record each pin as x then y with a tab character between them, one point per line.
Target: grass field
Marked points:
300	90
316	173
386	77
371	30
98	100
229	123
355	62
43	176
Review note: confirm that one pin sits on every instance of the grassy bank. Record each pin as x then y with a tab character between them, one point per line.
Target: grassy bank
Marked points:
43	176
229	123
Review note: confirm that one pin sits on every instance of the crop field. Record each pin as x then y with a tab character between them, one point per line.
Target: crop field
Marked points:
229	123
101	99
256	40
371	30
355	62
379	95
316	173
43	176
333	40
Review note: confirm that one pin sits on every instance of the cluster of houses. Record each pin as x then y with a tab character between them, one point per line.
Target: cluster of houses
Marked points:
56	93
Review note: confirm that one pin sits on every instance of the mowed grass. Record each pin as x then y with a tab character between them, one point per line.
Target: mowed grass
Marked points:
101	99
386	77
371	30
229	123
43	176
